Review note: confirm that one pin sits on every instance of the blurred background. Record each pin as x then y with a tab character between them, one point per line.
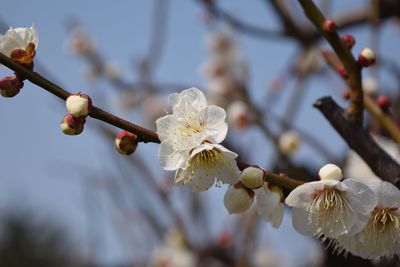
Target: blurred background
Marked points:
74	201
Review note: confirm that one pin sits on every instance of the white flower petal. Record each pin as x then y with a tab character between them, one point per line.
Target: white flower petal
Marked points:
301	223
303	194
269	205
197	179
214	121
170	158
360	195
387	195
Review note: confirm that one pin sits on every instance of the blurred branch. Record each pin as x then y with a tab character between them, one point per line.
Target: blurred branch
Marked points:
385	120
242	26
353	70
360	141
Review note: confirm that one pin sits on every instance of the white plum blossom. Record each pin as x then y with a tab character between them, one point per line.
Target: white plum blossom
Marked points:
381	236
270	204
189	142
19	44
330	208
192	118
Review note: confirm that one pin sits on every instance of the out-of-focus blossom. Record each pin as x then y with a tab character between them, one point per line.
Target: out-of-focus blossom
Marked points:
381	236
173	253
289	142
20	44
370	85
238	114
356	168
266	257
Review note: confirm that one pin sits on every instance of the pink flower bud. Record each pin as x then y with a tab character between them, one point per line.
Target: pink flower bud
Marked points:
71	125
348	40
79	105
126	142
384	102
329	26
10	86
367	57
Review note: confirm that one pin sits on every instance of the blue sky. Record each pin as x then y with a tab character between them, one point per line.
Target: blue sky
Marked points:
44	170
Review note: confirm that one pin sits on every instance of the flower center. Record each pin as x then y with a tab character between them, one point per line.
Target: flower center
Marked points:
383	229
327	209
24	56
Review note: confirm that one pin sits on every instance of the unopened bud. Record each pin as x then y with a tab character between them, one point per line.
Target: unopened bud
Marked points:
330	171
329	26
384	102
252	177
10	86
126	142
348	40
79	105
289	142
238	199
367	57
71	125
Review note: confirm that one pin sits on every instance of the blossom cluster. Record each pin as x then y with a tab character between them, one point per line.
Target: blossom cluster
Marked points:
358	218
20	45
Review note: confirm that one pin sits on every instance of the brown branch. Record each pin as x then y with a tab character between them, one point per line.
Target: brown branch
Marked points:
360	141
144	134
384	119
353	70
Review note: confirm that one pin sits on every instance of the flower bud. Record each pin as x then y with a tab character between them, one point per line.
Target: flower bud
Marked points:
330	171
79	105
348	40
384	102
252	177
289	142
71	125
329	26
367	57
238	199
10	86
126	142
